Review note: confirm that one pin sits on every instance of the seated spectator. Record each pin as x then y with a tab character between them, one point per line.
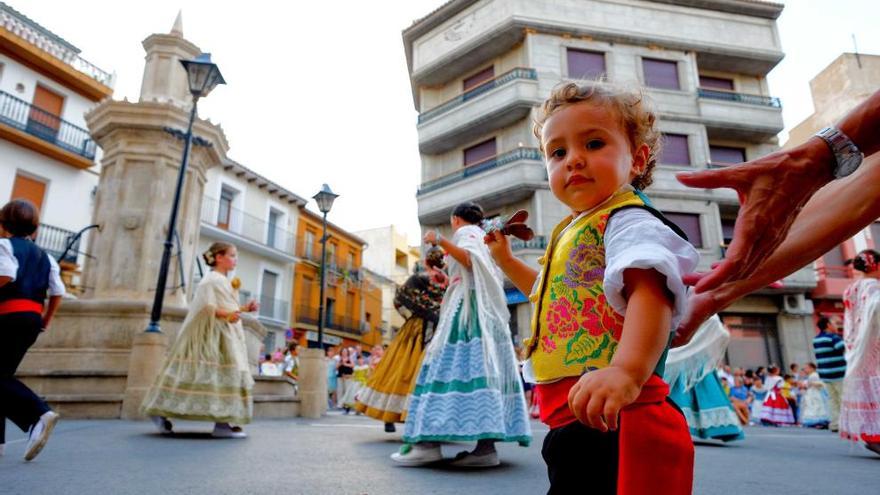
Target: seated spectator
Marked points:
739	397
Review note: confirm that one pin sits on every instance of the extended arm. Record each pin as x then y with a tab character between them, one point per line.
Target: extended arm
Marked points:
774	188
521	274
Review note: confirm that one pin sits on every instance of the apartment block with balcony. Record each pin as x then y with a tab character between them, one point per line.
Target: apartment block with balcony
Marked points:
846	82
352	301
388	261
260	218
46	87
479	69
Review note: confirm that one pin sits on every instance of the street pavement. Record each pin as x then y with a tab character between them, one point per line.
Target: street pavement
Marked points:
341	455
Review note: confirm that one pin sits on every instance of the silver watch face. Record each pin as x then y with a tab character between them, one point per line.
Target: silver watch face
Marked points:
848	162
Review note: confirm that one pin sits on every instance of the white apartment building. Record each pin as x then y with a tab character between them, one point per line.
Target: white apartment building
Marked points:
479	69
46	153
260	218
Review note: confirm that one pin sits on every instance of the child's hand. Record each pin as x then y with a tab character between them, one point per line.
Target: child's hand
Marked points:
499	246
597	398
431	237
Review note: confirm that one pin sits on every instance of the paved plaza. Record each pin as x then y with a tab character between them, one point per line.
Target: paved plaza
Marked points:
344	455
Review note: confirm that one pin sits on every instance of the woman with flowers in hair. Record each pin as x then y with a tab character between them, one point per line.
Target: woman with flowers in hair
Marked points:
860	404
386	393
206	376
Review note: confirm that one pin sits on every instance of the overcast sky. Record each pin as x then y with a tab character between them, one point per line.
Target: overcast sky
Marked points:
319	92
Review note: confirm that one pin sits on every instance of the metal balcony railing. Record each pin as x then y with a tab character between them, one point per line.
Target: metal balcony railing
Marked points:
537	242
309	315
54	240
767	101
50	43
247	226
507	77
46	126
533	154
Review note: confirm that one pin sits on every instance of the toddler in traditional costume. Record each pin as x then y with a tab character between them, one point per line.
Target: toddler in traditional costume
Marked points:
607	297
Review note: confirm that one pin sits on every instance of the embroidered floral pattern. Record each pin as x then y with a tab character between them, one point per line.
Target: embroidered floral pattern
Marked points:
585	267
561	318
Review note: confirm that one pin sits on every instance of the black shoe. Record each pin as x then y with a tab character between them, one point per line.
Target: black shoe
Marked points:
390	428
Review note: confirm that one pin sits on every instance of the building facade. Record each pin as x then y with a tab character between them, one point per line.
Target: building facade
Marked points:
846	82
49	158
480	68
389	261
352	304
260	218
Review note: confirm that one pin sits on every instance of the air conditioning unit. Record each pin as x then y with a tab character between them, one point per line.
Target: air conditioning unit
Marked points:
797	304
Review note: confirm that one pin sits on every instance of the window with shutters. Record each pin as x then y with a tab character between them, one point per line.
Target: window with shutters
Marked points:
675	150
583	64
711	82
726	155
480	152
477	79
661	74
689	223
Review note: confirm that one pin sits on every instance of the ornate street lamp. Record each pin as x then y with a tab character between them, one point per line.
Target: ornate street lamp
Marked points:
324	198
203	76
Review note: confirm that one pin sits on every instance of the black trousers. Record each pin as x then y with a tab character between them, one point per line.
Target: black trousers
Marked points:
581	460
18	332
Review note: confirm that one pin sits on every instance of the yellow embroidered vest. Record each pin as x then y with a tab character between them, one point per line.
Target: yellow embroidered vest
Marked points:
574	329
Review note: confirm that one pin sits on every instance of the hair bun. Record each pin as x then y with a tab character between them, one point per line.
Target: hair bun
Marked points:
470	212
208	256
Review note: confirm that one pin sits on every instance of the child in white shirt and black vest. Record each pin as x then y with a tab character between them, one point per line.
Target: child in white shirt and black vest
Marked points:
27	277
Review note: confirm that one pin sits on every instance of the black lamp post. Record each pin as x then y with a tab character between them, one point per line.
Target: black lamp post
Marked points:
203	76
324	198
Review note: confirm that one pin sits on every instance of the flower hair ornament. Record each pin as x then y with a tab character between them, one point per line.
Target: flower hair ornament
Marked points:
866	261
209	257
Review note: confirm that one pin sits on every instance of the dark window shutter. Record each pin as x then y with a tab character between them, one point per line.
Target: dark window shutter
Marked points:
675	150
726	154
475	80
716	83
480	152
583	64
834	257
661	74
690	224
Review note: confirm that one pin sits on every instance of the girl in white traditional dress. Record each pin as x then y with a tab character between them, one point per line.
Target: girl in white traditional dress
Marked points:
860	405
206	376
814	407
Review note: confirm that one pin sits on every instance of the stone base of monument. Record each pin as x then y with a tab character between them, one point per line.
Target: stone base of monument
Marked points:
96	361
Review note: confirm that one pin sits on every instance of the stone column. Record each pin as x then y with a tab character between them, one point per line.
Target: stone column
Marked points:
147	355
312	383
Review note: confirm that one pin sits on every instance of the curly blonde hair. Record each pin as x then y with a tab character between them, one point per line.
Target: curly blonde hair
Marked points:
637	118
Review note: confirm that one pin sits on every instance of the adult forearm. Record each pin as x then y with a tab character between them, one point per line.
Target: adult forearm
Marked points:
862	125
835	213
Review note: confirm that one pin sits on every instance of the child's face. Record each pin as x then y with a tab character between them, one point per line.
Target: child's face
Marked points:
589	155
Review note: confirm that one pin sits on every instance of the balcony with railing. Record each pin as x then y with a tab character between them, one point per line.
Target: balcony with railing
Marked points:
832	280
235	224
355	327
739	116
55	241
500	180
492	105
38	36
45	126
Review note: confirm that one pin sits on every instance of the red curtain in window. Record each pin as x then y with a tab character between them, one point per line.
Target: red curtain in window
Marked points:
690	224
675	150
661	74
584	64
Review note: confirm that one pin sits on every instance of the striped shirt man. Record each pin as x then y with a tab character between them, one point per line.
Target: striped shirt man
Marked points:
829	350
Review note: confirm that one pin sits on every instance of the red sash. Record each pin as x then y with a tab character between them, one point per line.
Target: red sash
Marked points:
20	306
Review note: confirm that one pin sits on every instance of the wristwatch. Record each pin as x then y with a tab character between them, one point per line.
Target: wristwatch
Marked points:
847	155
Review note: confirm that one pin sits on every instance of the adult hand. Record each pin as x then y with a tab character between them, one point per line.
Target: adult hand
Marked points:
772	191
699	309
